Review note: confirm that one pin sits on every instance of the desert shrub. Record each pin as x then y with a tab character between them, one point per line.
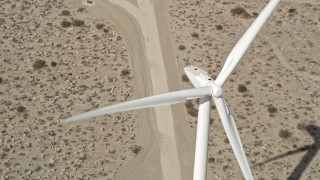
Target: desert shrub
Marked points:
185	78
1	80
21	108
53	63
211	120
279	22
292	10
225	168
193	112
65	23
125	72
119	38
65	13
52	133
302	126
218	27
106	30
89	1
255	14
242	88
240	11
39	64
237	11
283	133
38	168
294	146
136	149
100	26
182	47
246	15
188	104
211	160
77	22
256	153
272	109
195	35
80	9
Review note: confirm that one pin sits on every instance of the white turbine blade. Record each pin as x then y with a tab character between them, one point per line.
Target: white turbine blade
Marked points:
157	100
201	151
243	44
233	136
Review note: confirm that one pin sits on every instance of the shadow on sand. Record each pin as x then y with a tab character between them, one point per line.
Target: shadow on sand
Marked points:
311	151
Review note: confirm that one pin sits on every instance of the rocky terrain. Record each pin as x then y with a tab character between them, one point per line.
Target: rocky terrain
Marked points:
57	61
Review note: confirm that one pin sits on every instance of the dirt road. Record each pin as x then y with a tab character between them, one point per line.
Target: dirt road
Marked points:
139	26
145	17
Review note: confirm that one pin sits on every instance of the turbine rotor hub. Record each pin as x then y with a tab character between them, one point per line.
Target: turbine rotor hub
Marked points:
216	90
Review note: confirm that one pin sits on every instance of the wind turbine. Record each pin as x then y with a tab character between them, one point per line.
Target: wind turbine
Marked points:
206	89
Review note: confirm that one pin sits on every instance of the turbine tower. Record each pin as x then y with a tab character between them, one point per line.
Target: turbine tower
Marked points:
206	89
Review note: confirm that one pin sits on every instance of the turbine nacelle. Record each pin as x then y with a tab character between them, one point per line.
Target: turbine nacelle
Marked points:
200	78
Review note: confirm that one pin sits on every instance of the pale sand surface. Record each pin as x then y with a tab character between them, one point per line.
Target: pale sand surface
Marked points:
281	69
147	22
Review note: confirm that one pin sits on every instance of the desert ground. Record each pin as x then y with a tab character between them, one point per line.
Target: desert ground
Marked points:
61	58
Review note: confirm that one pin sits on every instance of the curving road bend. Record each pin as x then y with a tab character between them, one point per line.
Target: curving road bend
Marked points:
146	19
160	158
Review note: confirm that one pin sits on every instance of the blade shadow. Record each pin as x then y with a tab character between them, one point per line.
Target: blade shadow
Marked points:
312	150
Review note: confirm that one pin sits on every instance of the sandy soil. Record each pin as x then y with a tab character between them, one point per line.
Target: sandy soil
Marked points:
280	70
49	72
111	49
